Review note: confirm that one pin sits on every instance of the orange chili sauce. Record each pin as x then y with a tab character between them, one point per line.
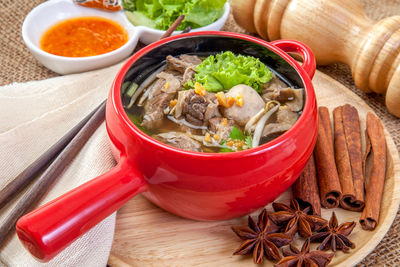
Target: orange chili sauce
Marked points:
83	37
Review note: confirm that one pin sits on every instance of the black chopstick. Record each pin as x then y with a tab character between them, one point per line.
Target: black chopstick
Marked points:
40	185
27	175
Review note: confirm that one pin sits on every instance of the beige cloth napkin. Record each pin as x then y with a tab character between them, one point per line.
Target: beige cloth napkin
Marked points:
34	116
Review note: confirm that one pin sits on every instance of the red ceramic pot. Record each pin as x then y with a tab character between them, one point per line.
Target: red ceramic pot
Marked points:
200	186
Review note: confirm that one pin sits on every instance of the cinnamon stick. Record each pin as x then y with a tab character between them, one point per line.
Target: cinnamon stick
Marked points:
375	154
305	189
328	179
348	157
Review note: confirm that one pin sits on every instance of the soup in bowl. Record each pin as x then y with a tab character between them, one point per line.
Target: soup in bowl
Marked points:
203	183
217	103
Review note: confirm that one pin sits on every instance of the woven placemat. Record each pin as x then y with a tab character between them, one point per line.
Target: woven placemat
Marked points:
18	65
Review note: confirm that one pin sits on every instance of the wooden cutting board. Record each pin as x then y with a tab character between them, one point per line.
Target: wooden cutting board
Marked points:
146	235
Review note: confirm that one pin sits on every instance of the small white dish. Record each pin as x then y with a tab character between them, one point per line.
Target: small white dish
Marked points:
53	11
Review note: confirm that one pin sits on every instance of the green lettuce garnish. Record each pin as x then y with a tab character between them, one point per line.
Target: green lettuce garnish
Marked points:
160	14
236	134
249	141
223	71
223	148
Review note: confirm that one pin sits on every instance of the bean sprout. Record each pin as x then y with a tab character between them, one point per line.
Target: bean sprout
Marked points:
261	123
254	119
143	86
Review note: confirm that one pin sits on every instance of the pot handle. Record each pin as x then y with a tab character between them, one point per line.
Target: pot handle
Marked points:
309	64
49	229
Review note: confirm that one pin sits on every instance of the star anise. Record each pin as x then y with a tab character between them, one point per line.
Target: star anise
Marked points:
261	238
334	237
296	219
294	257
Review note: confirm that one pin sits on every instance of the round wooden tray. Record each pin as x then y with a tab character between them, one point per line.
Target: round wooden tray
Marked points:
146	235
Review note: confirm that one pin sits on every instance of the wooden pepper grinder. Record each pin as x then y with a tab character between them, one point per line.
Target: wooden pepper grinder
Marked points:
336	31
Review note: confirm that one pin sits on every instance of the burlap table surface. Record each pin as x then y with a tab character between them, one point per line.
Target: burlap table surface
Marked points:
18	65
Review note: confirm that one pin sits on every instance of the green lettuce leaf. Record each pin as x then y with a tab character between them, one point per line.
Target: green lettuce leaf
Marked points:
137	18
249	141
224	149
210	83
128	5
223	71
236	134
203	12
160	14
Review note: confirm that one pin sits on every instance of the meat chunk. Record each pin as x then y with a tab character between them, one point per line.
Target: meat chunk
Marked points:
212	109
190	59
275	84
172	83
285	118
285	115
292	98
221	126
272	89
161	93
252	104
176	64
295	103
179	140
181	100
195	108
188	75
182	63
278	90
275	128
156	102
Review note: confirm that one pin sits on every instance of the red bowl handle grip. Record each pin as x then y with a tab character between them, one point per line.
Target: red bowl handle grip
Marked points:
309	64
49	229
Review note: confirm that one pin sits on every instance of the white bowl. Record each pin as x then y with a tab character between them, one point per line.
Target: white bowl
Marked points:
53	11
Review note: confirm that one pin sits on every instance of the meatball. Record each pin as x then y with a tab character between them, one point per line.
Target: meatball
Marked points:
252	104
